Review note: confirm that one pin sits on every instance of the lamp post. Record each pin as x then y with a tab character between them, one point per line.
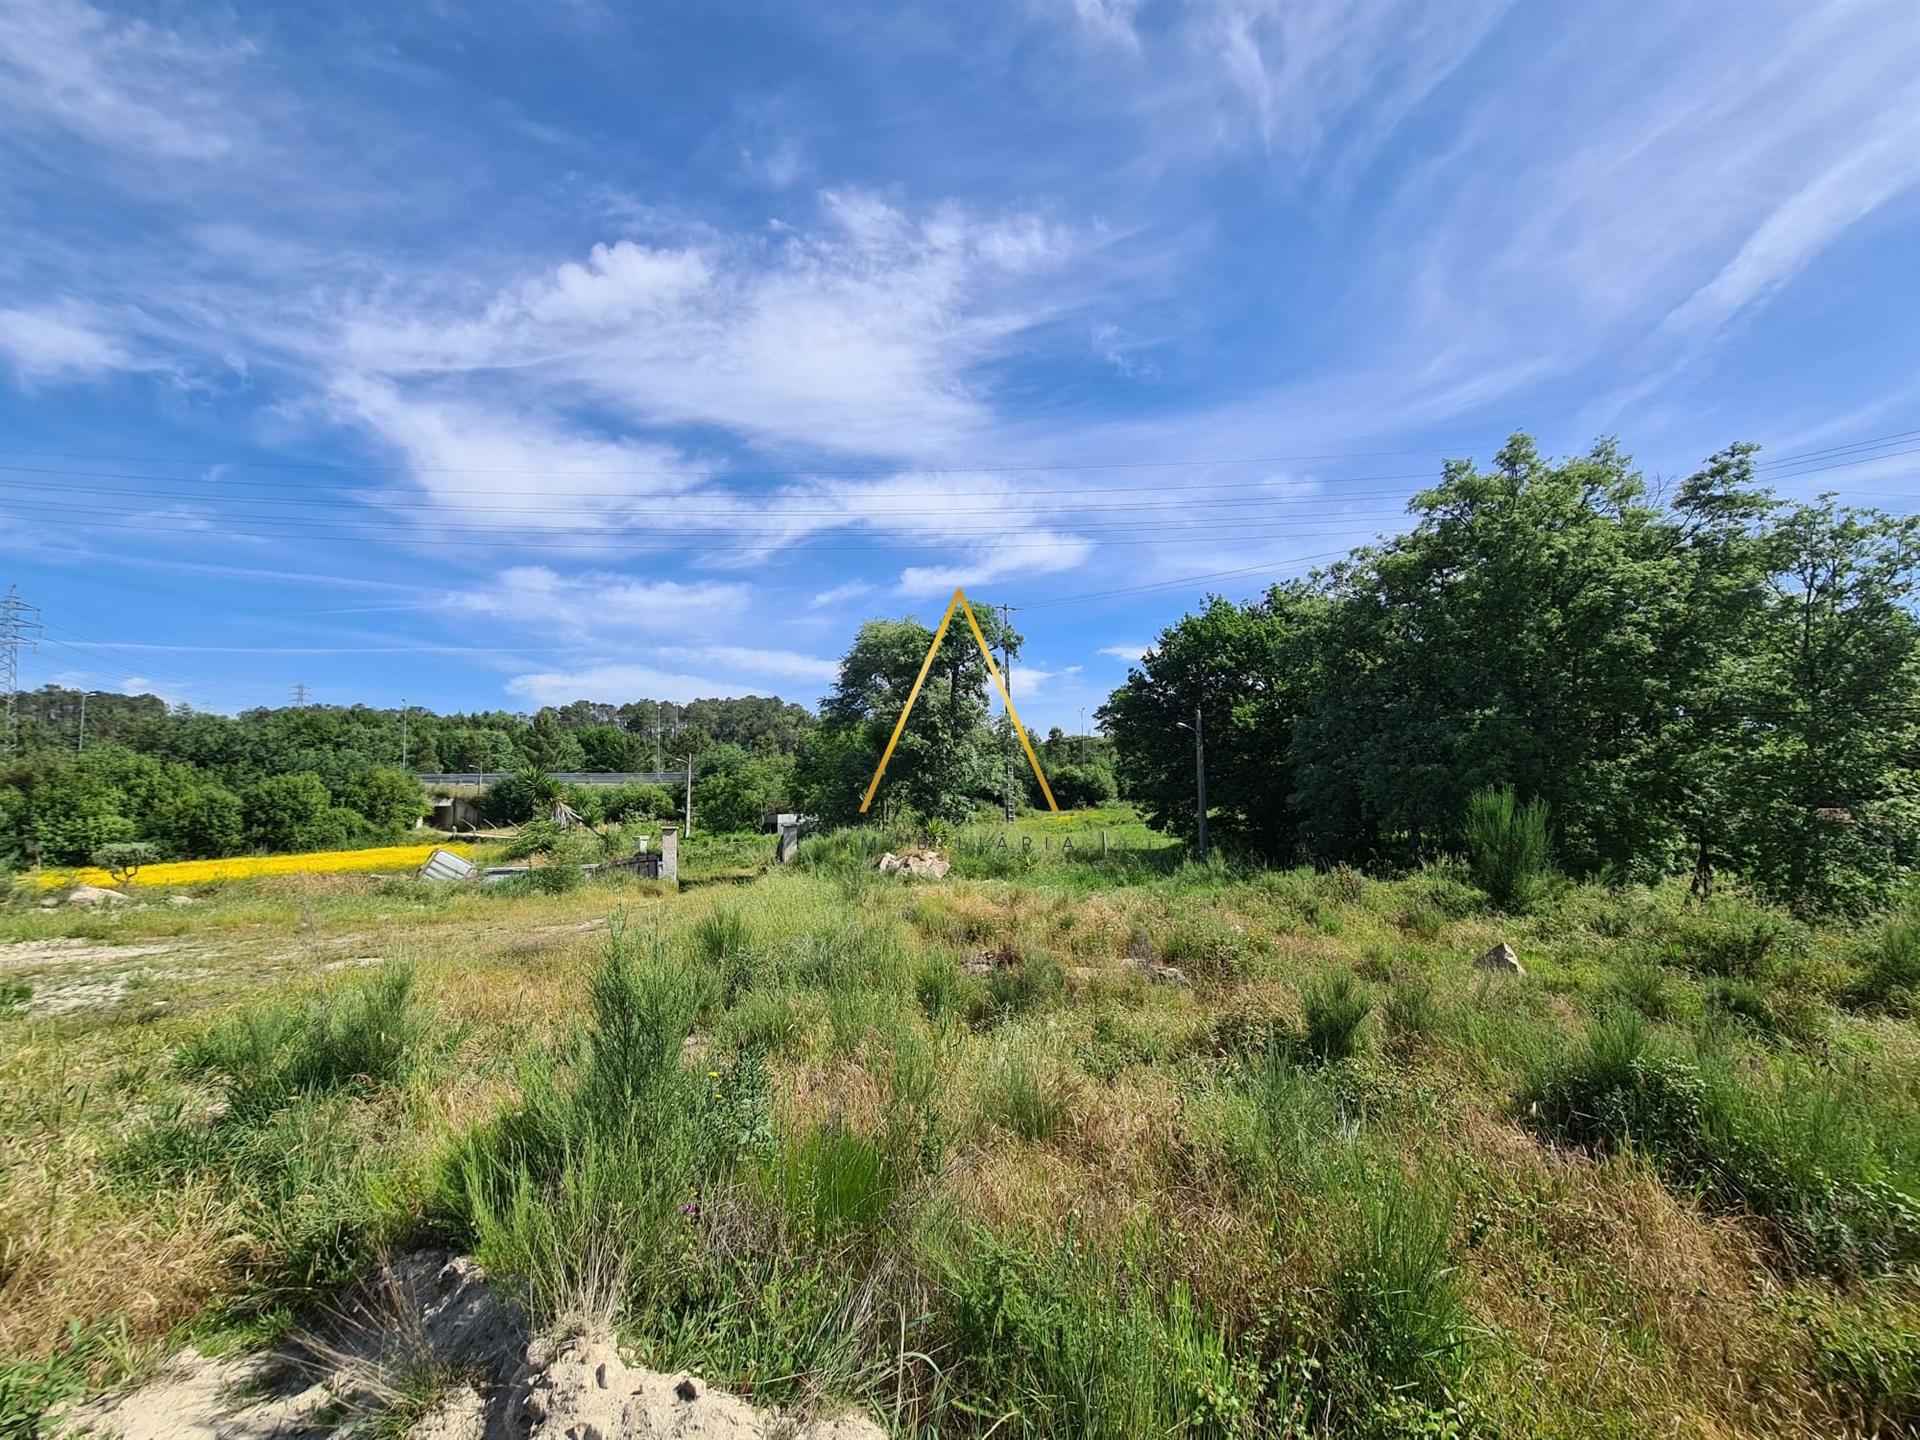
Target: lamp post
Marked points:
1199	772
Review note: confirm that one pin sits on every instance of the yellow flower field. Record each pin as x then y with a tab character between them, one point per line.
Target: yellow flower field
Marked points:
246	867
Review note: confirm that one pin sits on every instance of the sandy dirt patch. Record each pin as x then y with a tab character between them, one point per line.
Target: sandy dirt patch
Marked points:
434	1314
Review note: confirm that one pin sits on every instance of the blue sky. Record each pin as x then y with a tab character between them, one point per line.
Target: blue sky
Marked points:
498	354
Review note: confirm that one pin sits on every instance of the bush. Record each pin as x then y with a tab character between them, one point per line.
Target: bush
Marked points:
123	860
637	800
1334	1008
516	798
1510	848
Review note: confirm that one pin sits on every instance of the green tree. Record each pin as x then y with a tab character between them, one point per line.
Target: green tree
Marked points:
388	799
948	758
199	822
290	813
736	790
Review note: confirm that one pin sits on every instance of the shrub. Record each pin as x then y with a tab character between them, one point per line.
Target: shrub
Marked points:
1510	848
560	879
637	800
123	859
1334	1008
14	994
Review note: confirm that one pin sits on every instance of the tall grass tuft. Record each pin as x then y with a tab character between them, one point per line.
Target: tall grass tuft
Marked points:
1025	1092
1400	1302
1509	846
1890	970
571	1196
1334	1008
723	940
1835	1179
361	1035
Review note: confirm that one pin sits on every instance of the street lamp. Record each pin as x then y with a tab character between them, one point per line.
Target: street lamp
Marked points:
1199	772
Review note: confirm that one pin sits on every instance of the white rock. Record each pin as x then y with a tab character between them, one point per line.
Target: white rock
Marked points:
92	895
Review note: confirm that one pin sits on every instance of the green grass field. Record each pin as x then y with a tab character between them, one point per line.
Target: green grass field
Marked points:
1088	1143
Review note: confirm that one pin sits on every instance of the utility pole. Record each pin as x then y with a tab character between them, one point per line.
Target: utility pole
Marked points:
1083	734
689	824
1200	777
19	627
81	747
403	734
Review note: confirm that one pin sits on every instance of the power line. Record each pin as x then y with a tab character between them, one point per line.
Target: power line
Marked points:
820	473
721	474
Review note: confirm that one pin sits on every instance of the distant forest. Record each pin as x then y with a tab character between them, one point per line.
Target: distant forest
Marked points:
309	777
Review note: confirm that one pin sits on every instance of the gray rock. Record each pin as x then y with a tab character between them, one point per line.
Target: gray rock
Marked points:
1502	957
92	895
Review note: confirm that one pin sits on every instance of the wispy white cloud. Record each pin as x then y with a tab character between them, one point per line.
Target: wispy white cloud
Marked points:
59	342
1030	680
1040	553
857	336
852	590
1129	653
124	84
593	605
738	674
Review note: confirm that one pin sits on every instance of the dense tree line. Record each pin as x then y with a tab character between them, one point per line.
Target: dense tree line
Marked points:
196	785
1710	681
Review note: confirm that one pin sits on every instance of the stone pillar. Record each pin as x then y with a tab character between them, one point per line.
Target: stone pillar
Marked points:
789	844
670	853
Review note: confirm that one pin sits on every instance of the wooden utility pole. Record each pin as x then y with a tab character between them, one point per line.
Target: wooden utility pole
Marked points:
689	797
